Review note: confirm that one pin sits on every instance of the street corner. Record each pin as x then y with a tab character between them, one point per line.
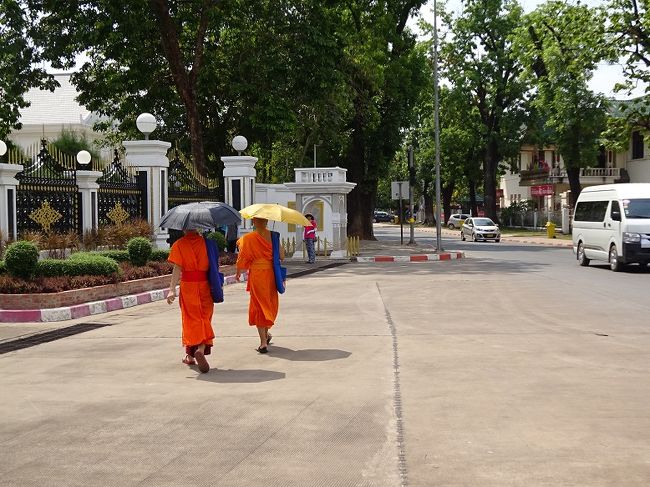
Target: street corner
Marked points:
439	257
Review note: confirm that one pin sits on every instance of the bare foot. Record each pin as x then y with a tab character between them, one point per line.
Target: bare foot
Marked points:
203	364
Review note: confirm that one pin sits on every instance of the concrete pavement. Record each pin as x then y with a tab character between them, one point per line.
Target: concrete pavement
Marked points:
465	373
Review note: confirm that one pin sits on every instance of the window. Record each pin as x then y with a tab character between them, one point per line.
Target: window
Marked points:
591	211
615	208
637	145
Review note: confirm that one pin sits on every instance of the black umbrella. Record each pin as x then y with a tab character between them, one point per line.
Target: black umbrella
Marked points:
200	216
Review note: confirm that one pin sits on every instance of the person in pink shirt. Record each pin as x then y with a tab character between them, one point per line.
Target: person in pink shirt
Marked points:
309	236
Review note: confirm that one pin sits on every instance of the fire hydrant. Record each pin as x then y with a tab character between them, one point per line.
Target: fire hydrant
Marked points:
550	230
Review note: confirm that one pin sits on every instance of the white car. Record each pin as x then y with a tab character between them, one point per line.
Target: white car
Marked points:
480	229
456	220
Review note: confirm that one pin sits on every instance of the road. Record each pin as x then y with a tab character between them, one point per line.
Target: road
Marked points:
512	367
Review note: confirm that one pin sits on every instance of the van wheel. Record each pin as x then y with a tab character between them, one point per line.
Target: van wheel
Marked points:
614	263
582	260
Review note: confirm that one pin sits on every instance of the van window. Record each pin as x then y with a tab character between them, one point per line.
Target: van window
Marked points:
615	207
591	211
637	208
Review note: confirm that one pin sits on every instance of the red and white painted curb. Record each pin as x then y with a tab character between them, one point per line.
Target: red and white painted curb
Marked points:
413	258
88	309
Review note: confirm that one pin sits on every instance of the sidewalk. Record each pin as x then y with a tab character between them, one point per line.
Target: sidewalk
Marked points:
506	237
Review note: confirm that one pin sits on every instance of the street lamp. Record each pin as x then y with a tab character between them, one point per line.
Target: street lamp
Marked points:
146	124
83	158
436	110
239	143
3	148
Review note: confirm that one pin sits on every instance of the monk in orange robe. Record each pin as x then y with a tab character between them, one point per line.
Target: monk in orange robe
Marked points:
190	258
256	257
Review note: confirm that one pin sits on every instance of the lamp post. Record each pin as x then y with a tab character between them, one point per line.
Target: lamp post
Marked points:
316	145
411	185
3	148
239	143
83	158
436	109
146	124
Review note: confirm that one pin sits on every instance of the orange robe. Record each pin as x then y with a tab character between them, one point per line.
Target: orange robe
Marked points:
256	256
190	254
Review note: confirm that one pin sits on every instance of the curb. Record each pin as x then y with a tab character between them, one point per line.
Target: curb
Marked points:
88	309
412	258
537	242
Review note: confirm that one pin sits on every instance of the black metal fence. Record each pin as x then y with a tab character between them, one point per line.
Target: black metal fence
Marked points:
122	194
47	197
186	185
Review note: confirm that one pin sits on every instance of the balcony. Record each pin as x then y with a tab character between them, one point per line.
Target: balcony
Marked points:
590	176
534	177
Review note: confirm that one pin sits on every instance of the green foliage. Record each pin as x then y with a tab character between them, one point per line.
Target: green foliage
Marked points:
21	258
78	264
159	255
139	249
3	267
70	142
19	64
219	239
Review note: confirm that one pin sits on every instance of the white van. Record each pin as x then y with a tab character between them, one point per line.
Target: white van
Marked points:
611	222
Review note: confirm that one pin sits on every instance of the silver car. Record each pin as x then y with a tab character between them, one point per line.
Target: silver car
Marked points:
480	229
456	220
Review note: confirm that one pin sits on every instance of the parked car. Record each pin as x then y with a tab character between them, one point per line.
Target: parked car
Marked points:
382	216
480	229
611	222
456	220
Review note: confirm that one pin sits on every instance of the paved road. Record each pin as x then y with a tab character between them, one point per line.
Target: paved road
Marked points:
513	367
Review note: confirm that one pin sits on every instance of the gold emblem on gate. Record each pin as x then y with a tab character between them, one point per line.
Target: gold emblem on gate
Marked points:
118	215
45	216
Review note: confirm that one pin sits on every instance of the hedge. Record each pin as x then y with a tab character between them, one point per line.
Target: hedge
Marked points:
79	264
139	249
3	267
159	255
219	238
21	259
116	255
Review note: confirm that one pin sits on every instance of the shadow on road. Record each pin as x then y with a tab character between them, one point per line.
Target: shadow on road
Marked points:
308	355
244	376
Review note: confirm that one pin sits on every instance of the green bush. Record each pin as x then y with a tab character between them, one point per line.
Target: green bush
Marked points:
159	255
140	250
3	267
219	238
78	264
116	255
21	259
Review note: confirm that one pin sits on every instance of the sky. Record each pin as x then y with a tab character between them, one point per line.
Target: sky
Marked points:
605	77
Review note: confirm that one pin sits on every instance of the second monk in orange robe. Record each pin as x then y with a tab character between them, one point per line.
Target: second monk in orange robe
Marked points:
190	258
256	256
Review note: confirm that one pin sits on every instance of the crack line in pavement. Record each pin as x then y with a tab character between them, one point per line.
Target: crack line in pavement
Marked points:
397	397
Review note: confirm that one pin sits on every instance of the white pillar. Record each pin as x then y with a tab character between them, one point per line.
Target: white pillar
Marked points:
239	180
87	183
150	157
8	185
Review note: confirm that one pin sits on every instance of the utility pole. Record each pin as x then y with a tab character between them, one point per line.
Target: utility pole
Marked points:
411	185
437	125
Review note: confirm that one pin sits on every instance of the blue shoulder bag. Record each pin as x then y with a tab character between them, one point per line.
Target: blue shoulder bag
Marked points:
279	271
215	278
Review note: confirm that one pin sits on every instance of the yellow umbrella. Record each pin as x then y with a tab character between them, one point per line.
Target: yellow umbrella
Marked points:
275	212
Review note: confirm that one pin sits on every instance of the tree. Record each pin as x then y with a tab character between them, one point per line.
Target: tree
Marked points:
479	61
18	61
561	44
384	73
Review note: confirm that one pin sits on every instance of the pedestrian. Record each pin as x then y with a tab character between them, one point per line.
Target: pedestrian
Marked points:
190	258
309	237
232	234
256	257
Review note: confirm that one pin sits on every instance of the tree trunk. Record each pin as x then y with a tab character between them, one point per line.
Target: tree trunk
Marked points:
447	193
361	201
490	166
185	82
573	174
473	207
429	218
